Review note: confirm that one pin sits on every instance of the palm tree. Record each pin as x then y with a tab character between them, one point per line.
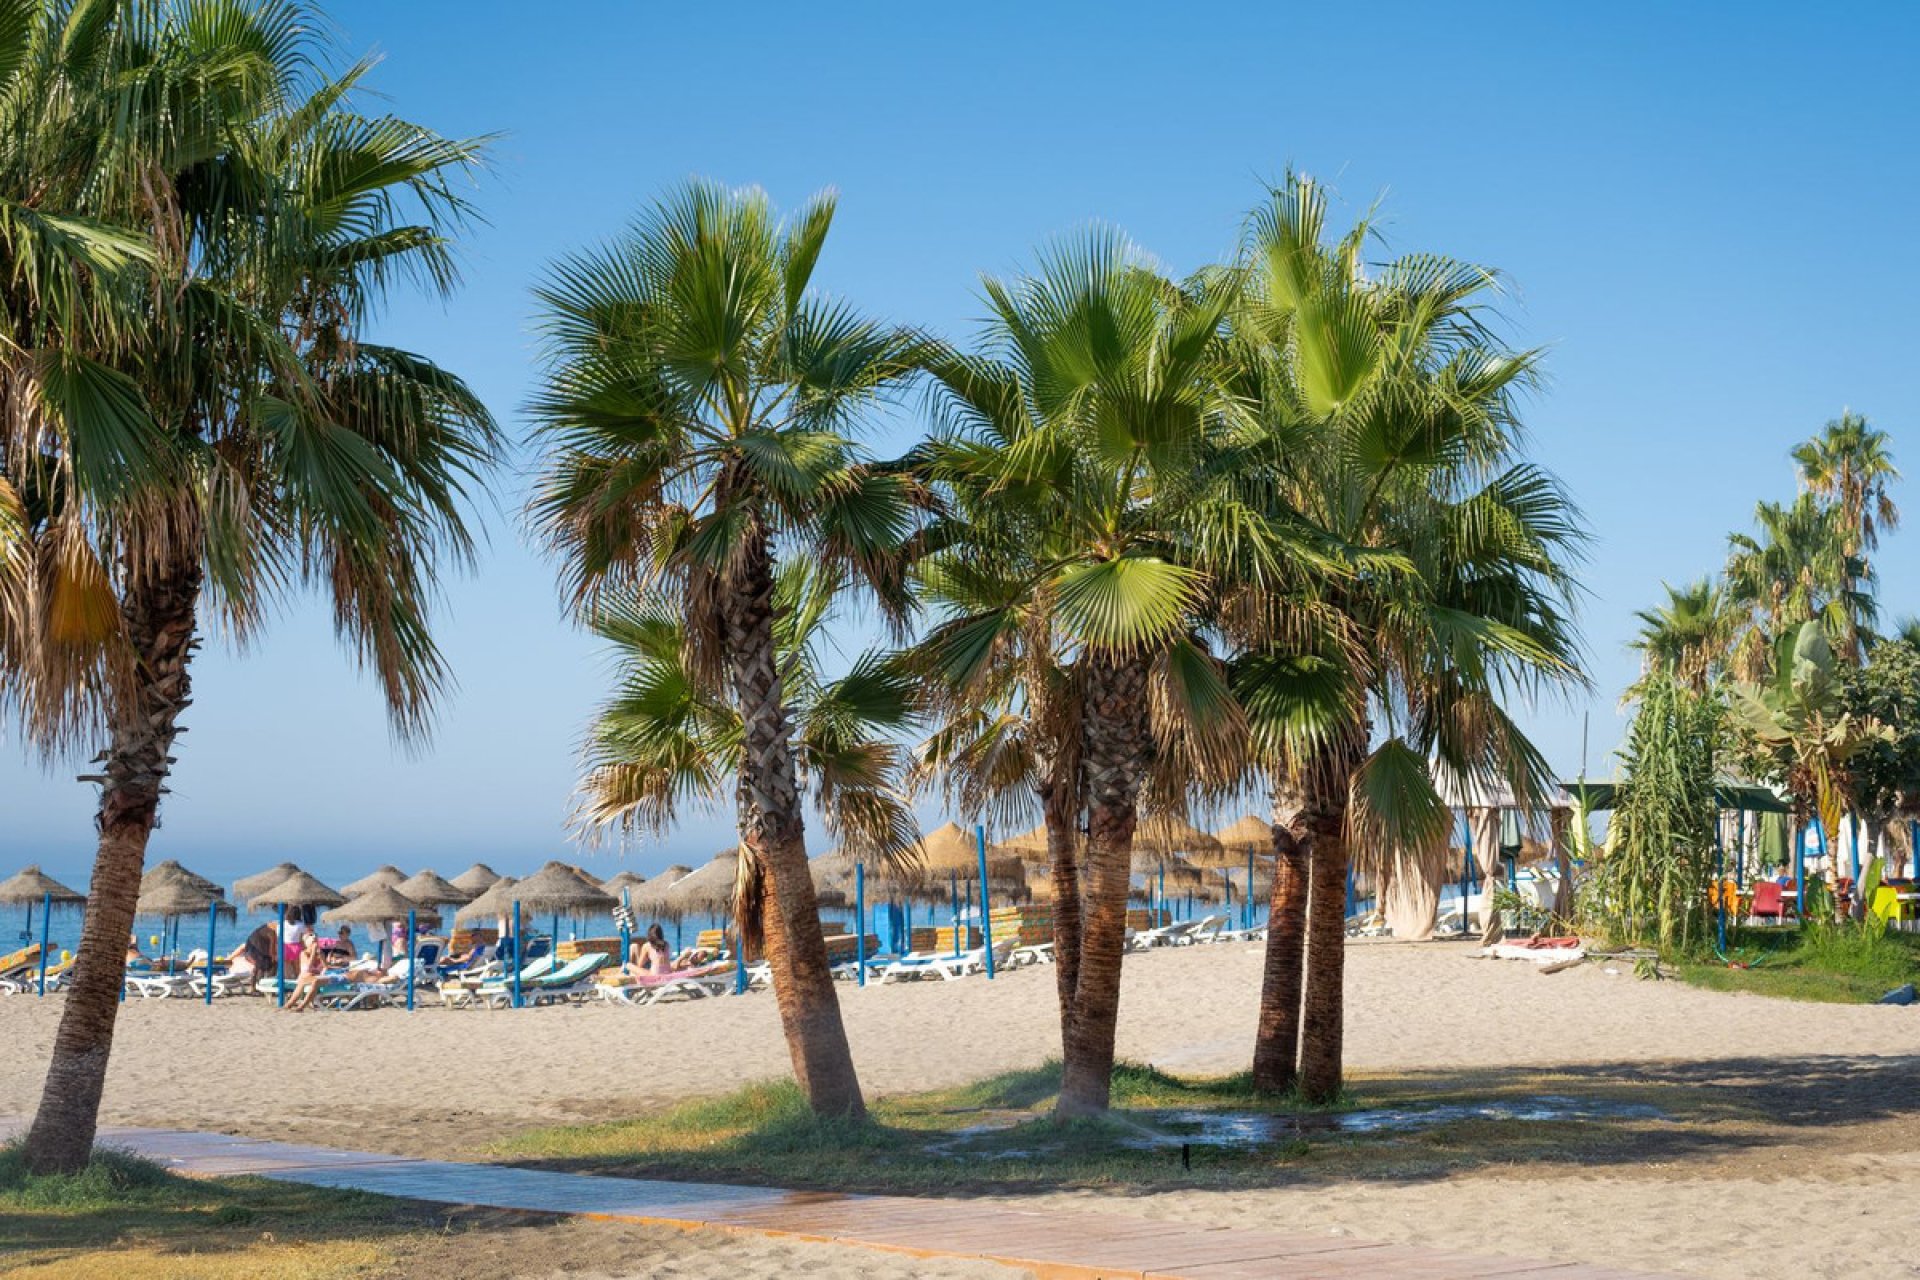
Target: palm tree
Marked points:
694	404
1796	569
1850	463
1080	452
194	422
1386	420
664	740
1690	636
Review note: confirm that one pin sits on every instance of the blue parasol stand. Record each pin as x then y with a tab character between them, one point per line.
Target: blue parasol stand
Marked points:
986	915
953	887
413	954
46	935
860	923
280	960
213	919
518	953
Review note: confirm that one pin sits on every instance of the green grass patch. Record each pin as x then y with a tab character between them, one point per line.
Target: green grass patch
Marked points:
995	1135
1834	963
132	1219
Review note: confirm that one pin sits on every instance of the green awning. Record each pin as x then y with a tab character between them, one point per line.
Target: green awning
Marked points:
1593	796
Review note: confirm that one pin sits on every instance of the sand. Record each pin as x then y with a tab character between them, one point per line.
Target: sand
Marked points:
1809	1190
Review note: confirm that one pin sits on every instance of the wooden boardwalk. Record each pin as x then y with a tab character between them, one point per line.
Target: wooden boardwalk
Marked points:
1053	1245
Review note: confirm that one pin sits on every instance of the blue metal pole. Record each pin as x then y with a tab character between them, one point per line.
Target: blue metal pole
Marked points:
1800	872
1720	883
519	953
626	931
213	918
953	887
1352	901
1853	838
1820	835
1163	890
280	959
1466	876
413	952
1913	850
986	916
1247	908
860	923
1739	848
46	934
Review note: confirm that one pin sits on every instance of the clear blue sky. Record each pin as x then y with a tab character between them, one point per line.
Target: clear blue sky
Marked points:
1704	213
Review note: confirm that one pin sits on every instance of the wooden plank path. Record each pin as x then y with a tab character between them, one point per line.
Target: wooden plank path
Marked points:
1051	1245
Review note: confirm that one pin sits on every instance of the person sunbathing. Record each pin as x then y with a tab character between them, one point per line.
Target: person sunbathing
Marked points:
649	957
312	968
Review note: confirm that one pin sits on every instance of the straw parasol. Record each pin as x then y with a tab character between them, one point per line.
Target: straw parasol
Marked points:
621	883
494	903
429	890
1166	833
1251	834
654	899
949	851
248	888
377	905
708	889
298	890
832	875
558	888
170	890
33	885
1028	846
476	879
1223	877
390	876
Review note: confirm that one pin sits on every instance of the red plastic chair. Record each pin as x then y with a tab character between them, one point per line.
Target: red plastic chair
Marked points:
1769	902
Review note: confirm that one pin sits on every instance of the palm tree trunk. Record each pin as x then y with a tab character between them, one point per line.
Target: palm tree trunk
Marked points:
1119	751
1062	849
1325	1005
159	613
1276	1041
773	831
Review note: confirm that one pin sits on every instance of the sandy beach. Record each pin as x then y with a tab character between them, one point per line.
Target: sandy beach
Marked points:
1795	1111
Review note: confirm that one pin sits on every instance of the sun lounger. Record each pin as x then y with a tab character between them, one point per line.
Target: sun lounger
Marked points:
462	995
1177	934
550	986
692	984
160	986
1038	953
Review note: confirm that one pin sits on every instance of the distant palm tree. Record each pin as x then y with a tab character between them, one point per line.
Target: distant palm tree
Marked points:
1850	464
1080	458
196	228
1386	421
696	406
664	740
1796	569
1689	637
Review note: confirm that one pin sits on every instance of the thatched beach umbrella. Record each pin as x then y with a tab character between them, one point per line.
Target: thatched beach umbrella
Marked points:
495	903
708	889
169	892
558	889
247	888
35	888
378	905
298	890
390	876
1250	834
833	874
654	900
170	872
476	879
1167	833
950	852
1028	846
429	890
623	882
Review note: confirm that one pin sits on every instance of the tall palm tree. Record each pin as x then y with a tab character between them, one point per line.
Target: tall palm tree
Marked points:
664	740
1850	463
1690	636
1387	420
695	405
194	422
1082	447
1796	569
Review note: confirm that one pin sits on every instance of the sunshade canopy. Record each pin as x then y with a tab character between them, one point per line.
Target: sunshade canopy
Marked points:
247	888
622	882
654	899
476	879
1251	834
496	902
33	885
390	876
298	890
428	889
709	888
171	890
558	887
1170	833
376	906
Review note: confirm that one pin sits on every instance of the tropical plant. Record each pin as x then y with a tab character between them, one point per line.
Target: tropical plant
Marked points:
1385	421
1796	569
1850	464
1798	732
1651	886
1886	772
197	226
664	740
1082	448
1688	637
696	406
